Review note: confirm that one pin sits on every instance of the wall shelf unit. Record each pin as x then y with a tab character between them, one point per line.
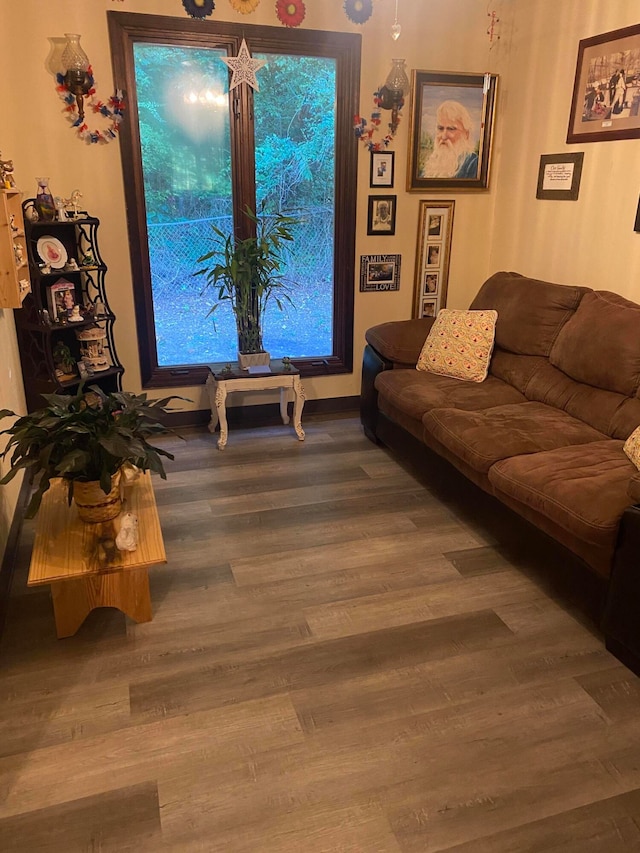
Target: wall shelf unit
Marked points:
67	310
14	267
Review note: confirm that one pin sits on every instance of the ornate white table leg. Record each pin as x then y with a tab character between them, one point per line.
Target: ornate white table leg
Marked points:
284	399
221	409
211	389
298	404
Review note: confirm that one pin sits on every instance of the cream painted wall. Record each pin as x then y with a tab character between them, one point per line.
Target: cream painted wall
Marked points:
589	241
41	143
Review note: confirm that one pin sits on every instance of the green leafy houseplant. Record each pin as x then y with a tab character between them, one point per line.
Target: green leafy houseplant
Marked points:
84	438
246	273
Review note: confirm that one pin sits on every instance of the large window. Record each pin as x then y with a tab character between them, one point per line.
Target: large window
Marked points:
196	155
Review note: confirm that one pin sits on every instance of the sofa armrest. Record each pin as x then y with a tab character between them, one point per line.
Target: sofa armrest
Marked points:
400	341
633	489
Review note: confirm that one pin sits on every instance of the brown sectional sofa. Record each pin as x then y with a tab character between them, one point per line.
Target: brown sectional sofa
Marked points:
544	433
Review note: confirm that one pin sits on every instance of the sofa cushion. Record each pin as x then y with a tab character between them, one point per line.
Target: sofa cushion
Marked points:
531	313
582	489
483	438
600	344
416	392
613	414
400	341
460	344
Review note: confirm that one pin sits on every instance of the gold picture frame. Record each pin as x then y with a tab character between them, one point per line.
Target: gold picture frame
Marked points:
435	228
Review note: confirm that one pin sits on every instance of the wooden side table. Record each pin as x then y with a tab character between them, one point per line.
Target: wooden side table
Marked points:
220	383
82	563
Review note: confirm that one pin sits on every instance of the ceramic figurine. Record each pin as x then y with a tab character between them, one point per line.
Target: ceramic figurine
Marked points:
75	316
19	253
6	174
12	222
127	538
71	204
88	260
71	265
59	205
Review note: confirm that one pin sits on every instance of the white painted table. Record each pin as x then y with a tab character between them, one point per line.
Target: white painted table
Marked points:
220	383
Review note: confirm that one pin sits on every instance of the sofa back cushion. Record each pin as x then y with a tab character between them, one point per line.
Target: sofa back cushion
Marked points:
600	344
531	313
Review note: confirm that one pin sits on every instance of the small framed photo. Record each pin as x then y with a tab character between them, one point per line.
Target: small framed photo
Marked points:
379	273
434	251
606	88
435	226
431	283
382	167
382	214
61	299
429	308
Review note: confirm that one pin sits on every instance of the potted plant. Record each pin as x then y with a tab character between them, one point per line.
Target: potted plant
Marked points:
86	439
246	273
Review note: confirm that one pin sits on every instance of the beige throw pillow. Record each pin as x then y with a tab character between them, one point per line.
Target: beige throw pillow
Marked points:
460	344
632	447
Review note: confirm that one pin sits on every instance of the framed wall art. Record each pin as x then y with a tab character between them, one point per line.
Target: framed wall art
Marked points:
559	176
606	90
382	214
435	226
379	273
382	167
451	131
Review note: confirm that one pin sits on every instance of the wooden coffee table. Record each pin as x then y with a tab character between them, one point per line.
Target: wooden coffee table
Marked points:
82	563
286	378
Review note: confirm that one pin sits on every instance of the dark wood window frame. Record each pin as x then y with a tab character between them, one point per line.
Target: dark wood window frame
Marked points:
127	28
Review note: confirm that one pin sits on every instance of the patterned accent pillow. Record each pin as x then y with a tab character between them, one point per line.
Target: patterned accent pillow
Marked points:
632	447
460	344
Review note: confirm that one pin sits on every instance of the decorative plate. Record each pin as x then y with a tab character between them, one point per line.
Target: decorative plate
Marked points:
52	251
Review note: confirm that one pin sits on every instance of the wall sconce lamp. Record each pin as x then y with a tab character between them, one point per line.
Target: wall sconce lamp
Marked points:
77	70
391	95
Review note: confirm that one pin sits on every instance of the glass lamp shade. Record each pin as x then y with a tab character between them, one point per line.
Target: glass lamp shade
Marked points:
397	80
76	64
73	56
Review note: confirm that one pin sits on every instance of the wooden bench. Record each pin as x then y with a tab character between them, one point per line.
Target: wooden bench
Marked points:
82	563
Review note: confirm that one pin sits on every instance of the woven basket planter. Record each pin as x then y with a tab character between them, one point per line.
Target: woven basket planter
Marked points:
93	504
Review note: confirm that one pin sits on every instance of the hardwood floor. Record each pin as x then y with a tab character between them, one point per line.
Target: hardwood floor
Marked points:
340	660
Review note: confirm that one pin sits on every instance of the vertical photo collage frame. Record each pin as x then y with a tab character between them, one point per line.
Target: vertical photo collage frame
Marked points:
435	226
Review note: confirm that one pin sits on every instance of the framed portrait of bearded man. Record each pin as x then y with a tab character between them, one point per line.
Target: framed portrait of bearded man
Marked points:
452	117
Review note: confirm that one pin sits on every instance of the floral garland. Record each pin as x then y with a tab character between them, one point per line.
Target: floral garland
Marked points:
366	133
290	12
244	6
198	8
112	110
358	11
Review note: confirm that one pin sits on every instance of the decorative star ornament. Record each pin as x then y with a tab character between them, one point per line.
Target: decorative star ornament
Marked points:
244	68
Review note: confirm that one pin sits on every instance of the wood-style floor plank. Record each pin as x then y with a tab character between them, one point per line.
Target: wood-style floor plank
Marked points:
344	658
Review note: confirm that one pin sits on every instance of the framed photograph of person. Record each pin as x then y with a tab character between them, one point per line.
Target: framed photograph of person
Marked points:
432	258
379	273
429	308
606	90
451	131
559	176
431	283
61	300
382	214
382	166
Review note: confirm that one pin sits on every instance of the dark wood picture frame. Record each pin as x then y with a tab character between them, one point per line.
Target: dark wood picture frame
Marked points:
471	100
559	176
381	218
382	168
606	103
